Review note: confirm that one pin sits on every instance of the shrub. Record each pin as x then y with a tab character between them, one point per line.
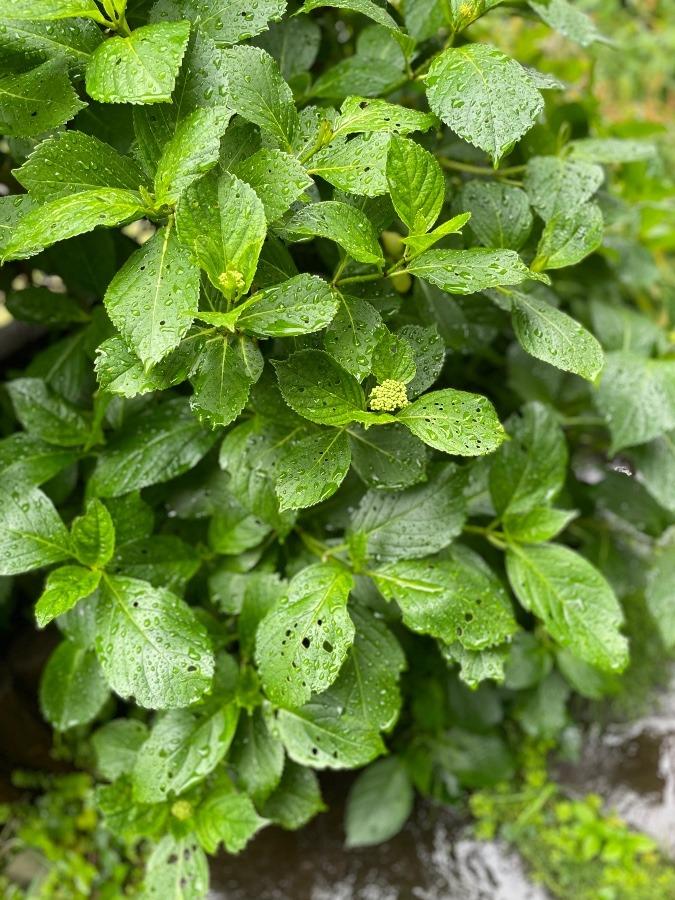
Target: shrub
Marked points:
297	267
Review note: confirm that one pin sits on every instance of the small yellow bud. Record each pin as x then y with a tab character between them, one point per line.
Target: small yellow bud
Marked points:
182	810
388	396
232	283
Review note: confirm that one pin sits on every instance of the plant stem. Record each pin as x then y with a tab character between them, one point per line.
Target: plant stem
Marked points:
471	169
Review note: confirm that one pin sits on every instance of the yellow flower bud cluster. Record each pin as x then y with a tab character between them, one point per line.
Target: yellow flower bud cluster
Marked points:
388	396
182	810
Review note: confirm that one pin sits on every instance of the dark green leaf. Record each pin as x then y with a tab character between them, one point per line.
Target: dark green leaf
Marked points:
35	101
31	531
315	386
313	470
378	804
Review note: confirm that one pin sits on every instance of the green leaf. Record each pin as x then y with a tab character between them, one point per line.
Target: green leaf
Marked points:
126	819
468	271
40	306
500	213
636	397
378	804
66	217
259	93
393	359
313	470
459	15
429	353
43	40
554	337
360	114
416	184
227	816
92	536
64	588
301	305
611	150
157	444
234	530
417	244
537	525
46	415
659	590
388	457
322	735
141	68
152	298
183	748
584	679
529	470
319	389
119	371
150	645
457	598
276	177
529	662
162	559
35	101
223	21
476	666
356	165
484	96
222	376
296	800
31	531
454	422
222	222
71	162
72	687
413	523
51	9
25	458
191	152
258	758
558	186
346	225
176	868
656	464
116	746
573	600
353	334
570	21
569	237
13	209
365	7
294	43
304	639
367	686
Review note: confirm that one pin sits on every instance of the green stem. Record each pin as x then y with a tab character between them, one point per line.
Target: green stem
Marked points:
471	169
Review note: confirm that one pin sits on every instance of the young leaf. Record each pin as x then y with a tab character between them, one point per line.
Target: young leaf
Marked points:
313	470
529	470
552	336
468	271
378	804
569	237
418	243
153	296
46	415
393	359
558	186
259	93
182	749
71	162
222	222
388	457
72	687
224	370
486	97
276	177
414	523
296	800
346	225
429	354
34	102
300	305
31	531
353	334
150	645
359	114
141	68
128	820
500	213
64	588
228	816
416	184
92	536
304	639
191	152
455	422
457	598
159	443
573	600
69	216
319	389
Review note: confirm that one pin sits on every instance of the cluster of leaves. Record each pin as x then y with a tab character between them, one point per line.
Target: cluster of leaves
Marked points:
575	847
286	275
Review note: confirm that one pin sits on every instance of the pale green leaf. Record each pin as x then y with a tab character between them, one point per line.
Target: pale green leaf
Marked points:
296	800
50	9
224	21
365	7
360	114
569	237
557	186
35	101
64	588
468	271
568	19
356	166
228	816
116	746
393	359
416	184
537	525
177	868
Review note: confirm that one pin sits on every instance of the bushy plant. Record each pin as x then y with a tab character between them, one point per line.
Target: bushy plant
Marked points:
297	267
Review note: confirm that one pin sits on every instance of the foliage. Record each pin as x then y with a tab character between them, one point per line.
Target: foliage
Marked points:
291	261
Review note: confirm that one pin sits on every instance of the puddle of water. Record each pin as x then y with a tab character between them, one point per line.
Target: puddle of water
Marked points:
431	859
